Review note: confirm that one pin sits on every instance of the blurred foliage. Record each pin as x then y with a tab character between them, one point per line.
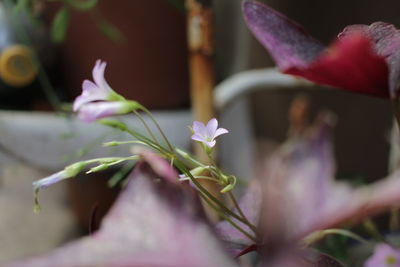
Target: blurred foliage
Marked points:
60	25
336	246
61	20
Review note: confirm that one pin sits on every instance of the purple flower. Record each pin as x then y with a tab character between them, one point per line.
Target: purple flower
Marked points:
207	133
52	179
363	59
98	100
93	111
384	256
97	91
68	172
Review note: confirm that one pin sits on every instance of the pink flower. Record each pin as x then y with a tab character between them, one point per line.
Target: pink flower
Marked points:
206	134
97	91
68	172
384	256
50	180
93	111
363	59
98	100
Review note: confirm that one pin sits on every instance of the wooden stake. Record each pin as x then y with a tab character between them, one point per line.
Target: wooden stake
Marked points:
201	65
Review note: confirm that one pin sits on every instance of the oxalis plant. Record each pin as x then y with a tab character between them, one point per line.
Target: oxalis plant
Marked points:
292	204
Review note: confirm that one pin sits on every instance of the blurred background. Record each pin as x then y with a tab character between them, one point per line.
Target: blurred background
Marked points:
47	48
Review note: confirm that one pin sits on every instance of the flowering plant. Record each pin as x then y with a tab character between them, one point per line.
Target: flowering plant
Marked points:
158	219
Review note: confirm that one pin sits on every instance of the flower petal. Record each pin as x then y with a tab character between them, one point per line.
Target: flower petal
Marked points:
210	144
198	137
287	42
90	92
93	111
220	131
350	63
98	75
212	126
50	180
384	255
200	129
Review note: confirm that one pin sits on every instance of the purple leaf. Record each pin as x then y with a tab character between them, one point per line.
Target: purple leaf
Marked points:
358	61
301	196
387	44
287	41
324	260
153	223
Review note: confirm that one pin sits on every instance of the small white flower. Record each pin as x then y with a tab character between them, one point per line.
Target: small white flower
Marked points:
207	133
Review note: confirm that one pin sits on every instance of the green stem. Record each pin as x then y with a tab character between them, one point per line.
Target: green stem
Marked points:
394	222
200	177
237	206
313	237
158	126
224	216
146	141
188	157
183	169
371	228
146	126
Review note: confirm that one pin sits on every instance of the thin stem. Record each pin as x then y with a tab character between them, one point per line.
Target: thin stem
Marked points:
158	126
117	177
183	169
371	228
313	237
147	141
224	216
394	222
237	206
200	177
118	143
146	126
187	156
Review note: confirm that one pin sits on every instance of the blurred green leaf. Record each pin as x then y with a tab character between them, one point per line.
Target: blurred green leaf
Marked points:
22	5
121	174
336	246
82	5
60	25
109	30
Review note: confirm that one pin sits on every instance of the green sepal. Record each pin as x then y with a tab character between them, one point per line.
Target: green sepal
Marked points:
114	123
98	168
74	169
232	183
129	106
114	96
